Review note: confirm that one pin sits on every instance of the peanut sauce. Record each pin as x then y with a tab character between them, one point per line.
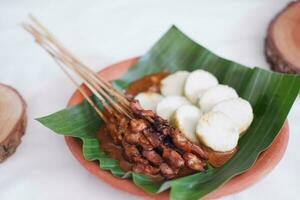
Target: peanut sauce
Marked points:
152	83
113	150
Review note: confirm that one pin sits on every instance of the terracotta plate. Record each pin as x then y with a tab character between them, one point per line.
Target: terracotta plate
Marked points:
266	162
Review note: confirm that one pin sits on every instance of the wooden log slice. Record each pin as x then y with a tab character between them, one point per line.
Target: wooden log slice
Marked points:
282	46
12	120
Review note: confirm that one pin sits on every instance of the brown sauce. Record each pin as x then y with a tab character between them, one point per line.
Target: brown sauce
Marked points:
149	83
113	150
217	159
152	83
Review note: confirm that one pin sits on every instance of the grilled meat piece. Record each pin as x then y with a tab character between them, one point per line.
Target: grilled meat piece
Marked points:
193	162
153	139
181	142
173	158
132	153
153	157
167	171
138	125
145	169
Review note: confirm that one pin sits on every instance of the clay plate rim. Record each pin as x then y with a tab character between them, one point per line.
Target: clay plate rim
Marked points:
264	165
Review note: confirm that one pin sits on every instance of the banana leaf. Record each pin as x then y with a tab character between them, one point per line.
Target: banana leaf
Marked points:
270	94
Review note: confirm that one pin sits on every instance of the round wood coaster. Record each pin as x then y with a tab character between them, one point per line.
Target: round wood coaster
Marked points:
282	47
12	120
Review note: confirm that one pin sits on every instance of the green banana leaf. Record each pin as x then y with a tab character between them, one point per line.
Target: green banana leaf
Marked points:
271	95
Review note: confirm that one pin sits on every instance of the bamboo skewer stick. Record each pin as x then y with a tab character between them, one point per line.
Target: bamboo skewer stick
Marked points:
59	59
96	84
90	101
107	86
104	83
63	49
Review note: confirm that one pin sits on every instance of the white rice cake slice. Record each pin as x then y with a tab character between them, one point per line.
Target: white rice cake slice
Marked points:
174	84
185	119
149	100
197	82
215	95
169	105
217	131
238	110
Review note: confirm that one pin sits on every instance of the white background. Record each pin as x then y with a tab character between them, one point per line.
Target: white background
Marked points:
104	32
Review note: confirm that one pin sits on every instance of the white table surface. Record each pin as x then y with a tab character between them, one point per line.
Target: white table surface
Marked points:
104	32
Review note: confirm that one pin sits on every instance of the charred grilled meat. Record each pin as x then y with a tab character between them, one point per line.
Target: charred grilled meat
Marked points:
152	145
